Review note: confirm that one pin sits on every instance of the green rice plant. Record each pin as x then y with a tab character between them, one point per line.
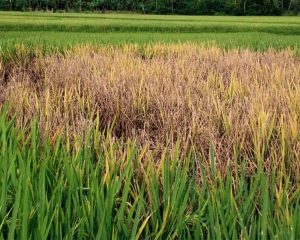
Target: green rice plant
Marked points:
102	188
12	21
58	32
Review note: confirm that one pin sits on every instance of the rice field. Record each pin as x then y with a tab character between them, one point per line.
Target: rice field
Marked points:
62	30
126	126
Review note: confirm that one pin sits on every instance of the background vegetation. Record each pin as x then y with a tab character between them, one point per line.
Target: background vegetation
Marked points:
56	32
194	7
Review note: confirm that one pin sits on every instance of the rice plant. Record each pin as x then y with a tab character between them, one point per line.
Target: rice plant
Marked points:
51	31
160	141
102	188
246	103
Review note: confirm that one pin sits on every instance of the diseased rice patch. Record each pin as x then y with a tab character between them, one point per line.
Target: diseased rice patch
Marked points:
247	104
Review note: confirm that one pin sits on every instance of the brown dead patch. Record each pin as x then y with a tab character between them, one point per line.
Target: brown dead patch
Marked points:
246	103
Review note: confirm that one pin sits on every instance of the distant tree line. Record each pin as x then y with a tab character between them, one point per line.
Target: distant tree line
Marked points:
191	7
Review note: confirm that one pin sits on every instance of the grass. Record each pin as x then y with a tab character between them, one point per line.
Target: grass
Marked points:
63	30
112	190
